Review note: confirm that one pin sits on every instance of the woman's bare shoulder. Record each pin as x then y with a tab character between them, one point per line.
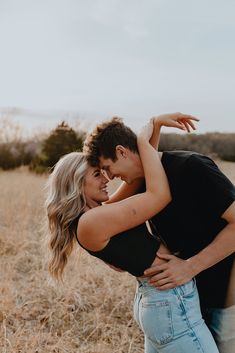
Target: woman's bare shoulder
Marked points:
90	232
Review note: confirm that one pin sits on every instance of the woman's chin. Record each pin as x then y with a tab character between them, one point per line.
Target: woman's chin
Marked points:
106	198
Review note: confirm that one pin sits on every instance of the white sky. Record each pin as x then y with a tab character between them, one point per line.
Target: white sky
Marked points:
132	58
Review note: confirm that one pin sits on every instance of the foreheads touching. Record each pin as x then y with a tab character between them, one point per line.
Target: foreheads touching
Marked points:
105	138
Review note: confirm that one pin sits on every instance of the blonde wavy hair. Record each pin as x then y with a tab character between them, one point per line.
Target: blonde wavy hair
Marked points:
64	204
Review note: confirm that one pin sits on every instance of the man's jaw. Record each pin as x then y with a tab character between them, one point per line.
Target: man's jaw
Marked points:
127	180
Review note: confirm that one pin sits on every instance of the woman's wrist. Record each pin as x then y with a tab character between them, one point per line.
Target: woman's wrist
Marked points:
157	121
154	140
142	140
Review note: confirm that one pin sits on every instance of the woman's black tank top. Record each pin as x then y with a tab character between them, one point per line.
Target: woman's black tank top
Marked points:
133	250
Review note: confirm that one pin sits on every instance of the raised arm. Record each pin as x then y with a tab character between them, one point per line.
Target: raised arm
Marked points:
175	120
103	222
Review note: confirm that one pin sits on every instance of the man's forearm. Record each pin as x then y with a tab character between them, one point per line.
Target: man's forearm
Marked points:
178	271
221	247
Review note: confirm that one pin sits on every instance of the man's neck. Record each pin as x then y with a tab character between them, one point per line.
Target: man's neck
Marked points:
140	167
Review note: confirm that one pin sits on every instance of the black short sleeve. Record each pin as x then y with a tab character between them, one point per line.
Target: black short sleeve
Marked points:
215	190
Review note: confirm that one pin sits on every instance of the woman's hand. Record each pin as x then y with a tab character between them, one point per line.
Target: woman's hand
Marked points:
177	120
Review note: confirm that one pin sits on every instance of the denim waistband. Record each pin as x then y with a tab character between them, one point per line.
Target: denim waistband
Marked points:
143	280
143	285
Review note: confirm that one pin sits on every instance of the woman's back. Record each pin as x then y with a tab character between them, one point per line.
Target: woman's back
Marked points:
133	250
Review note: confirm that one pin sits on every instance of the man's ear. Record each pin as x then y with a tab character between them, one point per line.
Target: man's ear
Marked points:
121	151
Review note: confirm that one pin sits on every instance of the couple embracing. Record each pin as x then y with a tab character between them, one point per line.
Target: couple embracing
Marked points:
175	204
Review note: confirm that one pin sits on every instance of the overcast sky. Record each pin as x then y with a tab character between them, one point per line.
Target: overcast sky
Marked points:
132	58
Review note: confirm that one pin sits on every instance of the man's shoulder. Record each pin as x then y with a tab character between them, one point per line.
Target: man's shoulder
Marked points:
182	164
200	161
181	155
175	164
179	158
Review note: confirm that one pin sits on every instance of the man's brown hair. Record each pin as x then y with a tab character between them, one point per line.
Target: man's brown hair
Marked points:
104	139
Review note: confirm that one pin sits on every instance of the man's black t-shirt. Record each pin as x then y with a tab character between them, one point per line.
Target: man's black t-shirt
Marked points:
200	195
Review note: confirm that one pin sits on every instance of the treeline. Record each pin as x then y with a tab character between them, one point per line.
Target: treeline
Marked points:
40	154
220	145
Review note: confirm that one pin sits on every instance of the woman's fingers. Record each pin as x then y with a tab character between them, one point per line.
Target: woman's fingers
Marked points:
177	120
193	118
177	124
191	124
186	124
186	116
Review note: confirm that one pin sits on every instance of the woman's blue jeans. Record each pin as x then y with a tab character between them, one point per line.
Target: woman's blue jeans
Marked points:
171	320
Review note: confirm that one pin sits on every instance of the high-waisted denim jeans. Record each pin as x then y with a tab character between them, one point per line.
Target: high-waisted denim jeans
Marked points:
171	320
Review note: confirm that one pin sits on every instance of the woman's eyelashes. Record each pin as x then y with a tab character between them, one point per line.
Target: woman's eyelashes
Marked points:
97	173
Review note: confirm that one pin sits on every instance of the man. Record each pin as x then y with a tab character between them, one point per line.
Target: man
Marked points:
198	226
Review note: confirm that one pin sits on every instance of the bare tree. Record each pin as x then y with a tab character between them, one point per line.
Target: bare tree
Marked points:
10	131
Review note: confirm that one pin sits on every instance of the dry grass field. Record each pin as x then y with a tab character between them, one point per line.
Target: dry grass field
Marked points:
90	313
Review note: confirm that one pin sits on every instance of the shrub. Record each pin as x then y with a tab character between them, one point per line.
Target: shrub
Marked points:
61	141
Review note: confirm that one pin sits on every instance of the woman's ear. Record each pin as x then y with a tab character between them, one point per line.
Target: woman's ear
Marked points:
121	151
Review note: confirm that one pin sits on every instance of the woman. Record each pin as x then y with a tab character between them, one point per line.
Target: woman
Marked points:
117	233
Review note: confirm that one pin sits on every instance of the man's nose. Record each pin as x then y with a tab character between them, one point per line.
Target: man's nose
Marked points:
109	175
105	178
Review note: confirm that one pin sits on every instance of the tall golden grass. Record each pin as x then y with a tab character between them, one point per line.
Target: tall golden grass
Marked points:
90	313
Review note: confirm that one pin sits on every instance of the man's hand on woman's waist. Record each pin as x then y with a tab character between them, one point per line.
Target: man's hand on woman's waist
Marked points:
172	273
